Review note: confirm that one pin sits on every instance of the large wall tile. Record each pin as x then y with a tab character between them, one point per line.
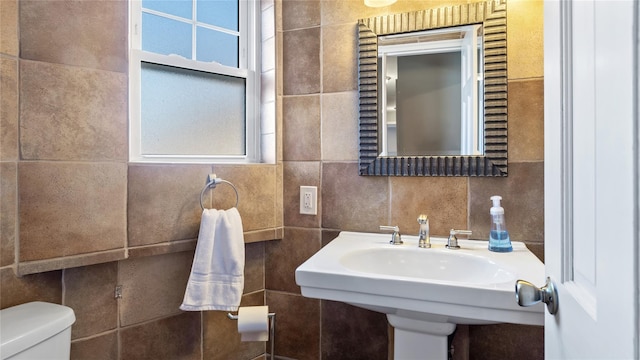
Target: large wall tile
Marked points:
257	191
339	58
175	338
343	328
525	38
442	199
254	267
526	120
153	287
84	33
37	287
298	14
301	135
8	108
340	128
164	202
71	208
9	208
506	341
89	291
299	245
9	27
296	174
352	202
71	113
301	61
221	340
103	347
522	198
298	325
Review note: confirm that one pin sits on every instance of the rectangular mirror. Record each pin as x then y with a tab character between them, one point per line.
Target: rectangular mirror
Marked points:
433	92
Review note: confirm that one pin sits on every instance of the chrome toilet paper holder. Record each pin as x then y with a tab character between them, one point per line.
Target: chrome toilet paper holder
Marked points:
272	330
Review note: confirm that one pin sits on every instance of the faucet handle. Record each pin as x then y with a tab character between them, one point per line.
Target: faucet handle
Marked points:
452	242
396	239
422	219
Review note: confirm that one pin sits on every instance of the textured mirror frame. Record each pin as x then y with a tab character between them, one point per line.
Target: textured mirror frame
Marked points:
492	15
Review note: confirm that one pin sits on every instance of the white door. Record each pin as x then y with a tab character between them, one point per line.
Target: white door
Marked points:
591	181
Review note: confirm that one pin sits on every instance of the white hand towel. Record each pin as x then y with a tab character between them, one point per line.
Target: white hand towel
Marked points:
216	281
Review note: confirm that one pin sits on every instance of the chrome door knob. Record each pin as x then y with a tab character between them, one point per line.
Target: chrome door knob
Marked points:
528	294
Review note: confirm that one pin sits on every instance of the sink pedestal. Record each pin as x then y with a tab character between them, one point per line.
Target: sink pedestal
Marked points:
419	339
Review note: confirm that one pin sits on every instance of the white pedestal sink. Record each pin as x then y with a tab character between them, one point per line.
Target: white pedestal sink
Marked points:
424	292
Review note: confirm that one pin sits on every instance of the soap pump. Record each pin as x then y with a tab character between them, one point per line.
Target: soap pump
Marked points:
499	240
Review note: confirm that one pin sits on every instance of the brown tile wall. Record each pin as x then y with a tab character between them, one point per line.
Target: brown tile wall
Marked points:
78	219
75	135
320	136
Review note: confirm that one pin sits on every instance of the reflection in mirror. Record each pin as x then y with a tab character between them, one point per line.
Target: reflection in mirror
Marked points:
433	92
428	86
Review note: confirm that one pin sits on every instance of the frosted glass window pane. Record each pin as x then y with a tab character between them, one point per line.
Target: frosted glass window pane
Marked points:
182	8
186	112
222	13
165	36
215	46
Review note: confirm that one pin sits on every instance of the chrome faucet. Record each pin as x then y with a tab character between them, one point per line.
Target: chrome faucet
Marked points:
452	242
396	239
424	241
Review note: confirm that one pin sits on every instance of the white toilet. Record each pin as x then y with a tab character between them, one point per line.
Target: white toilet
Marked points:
36	330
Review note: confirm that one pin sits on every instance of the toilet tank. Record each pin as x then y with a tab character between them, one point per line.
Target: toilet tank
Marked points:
36	330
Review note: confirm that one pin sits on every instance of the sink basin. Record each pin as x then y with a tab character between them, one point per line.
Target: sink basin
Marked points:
424	292
438	265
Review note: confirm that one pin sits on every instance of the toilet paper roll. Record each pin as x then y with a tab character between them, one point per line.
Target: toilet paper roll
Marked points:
253	323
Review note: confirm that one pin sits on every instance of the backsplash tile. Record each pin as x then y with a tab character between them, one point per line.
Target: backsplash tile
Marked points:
72	113
522	198
443	200
352	202
64	207
47	26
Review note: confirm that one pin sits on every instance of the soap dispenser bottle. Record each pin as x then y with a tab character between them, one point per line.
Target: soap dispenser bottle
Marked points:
499	240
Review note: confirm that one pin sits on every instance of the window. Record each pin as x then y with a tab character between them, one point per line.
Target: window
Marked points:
194	81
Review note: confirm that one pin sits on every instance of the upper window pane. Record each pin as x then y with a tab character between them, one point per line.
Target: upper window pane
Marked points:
182	8
165	36
209	43
222	13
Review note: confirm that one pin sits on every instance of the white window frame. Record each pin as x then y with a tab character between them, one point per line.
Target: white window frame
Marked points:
249	69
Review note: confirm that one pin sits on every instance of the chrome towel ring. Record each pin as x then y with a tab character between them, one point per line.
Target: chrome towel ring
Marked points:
212	181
